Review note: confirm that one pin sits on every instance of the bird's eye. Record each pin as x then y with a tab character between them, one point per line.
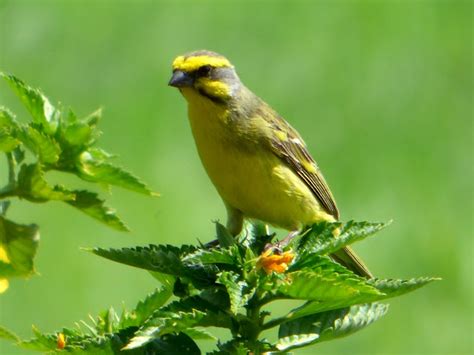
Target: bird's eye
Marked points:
204	70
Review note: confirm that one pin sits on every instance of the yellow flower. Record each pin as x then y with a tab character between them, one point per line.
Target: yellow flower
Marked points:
275	262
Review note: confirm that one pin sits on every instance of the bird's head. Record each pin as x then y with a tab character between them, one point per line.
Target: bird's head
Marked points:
206	74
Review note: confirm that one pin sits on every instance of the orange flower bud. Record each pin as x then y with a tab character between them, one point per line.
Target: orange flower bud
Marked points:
275	262
61	341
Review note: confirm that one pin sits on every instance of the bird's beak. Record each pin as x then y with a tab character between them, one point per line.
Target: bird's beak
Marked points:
181	79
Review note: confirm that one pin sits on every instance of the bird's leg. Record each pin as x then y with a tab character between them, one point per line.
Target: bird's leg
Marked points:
235	220
279	246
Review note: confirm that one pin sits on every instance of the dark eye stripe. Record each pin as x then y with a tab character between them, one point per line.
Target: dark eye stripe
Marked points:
204	70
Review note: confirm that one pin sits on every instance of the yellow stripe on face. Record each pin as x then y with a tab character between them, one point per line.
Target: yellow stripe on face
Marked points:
214	88
193	63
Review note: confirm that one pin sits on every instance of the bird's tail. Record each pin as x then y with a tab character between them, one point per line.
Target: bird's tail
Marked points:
347	258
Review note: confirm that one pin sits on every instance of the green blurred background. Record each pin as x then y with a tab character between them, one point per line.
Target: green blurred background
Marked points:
381	91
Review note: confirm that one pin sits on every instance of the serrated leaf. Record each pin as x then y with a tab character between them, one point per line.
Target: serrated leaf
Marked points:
393	288
161	326
7	118
198	333
255	236
90	203
36	103
328	325
100	172
234	347
100	155
172	344
324	285
214	256
18	245
235	289
164	279
145	308
178	317
321	238
77	134
41	342
33	187
107	321
8	126
223	236
42	145
8	335
387	289
94	117
163	259
7	141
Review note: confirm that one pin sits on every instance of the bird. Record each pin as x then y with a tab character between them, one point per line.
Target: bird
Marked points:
257	161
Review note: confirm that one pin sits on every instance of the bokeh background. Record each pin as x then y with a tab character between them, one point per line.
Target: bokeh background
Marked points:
381	91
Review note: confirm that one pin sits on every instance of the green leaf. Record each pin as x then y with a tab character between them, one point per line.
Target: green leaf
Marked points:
223	236
198	333
164	259
324	285
78	134
172	344
36	103
166	280
107	321
160	326
43	146
321	237
228	256
255	236
392	288
8	126
386	288
33	187
234	347
76	342
89	203
41	342
7	142
8	335
18	245
328	325
93	118
145	308
7	118
95	171
179	316
161	258
81	133
235	288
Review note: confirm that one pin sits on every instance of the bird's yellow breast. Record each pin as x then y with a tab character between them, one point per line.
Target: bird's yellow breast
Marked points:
247	176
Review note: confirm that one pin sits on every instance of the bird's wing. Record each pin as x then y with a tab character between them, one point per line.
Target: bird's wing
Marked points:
287	144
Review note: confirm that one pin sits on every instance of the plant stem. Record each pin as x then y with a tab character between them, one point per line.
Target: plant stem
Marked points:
10	189
11	169
253	328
